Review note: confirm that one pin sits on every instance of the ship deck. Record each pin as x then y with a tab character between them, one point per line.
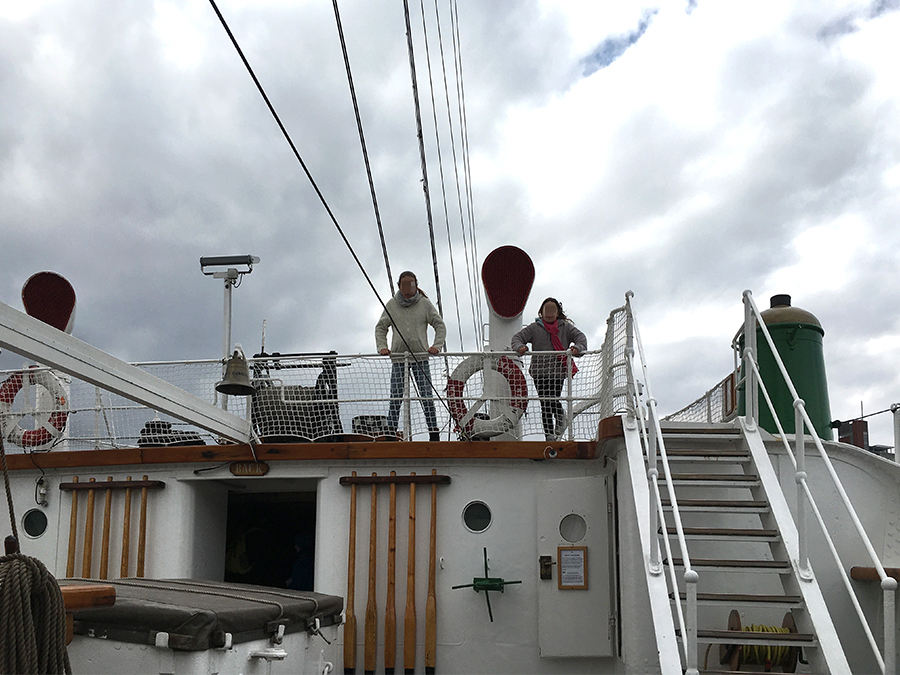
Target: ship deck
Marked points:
275	452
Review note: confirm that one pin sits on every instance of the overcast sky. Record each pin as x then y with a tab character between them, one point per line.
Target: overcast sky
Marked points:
685	150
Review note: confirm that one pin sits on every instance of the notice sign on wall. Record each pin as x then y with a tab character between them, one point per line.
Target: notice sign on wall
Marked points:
572	566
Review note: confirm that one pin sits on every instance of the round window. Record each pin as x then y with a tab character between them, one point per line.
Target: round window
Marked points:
572	528
34	522
477	516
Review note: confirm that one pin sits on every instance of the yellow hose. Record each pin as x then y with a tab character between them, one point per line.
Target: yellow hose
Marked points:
770	655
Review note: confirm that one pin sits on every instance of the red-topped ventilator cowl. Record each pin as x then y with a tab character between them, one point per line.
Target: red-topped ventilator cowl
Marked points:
507	275
47	296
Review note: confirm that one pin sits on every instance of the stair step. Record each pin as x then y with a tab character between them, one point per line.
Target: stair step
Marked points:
732	477
725	533
701	431
704	671
715	479
746	637
695	457
712	452
745	600
762	566
719	505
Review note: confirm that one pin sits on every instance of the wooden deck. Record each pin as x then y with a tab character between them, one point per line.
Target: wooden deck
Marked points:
355	450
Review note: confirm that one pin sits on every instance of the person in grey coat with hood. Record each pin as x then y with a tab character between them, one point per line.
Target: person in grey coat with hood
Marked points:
408	314
551	331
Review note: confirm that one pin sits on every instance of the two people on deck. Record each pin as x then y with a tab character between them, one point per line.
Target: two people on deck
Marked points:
410	312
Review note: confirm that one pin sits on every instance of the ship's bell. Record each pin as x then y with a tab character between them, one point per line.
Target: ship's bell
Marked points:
237	376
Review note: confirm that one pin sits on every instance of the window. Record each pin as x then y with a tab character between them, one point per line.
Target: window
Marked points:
477	516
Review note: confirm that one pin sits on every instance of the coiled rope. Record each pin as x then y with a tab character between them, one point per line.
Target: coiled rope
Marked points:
32	618
32	611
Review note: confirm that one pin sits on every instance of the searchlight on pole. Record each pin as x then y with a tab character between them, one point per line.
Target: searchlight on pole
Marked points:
230	268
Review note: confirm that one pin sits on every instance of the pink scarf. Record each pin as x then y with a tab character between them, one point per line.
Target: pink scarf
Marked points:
553	329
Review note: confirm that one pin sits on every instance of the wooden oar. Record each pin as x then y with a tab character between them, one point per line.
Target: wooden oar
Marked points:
88	534
350	624
409	620
126	533
73	526
371	627
104	539
142	531
390	612
431	603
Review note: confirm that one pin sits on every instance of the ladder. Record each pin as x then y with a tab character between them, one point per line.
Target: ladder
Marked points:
743	543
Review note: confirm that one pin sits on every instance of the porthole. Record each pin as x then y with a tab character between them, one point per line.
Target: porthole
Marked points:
477	516
34	522
572	528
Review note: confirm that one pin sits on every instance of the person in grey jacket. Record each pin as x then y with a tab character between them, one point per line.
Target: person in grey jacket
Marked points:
409	313
551	331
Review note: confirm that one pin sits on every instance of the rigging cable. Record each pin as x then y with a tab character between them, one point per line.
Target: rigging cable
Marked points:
437	143
461	101
362	142
318	191
473	294
419	135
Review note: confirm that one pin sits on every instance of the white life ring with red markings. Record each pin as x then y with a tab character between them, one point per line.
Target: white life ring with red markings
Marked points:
517	403
50	423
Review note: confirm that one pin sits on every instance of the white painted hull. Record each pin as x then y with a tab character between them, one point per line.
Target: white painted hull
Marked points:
537	627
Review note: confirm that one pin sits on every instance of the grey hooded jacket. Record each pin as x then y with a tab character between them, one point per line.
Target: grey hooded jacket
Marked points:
548	365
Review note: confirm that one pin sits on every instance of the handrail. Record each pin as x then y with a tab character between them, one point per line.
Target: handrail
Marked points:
753	384
315	396
845	578
645	409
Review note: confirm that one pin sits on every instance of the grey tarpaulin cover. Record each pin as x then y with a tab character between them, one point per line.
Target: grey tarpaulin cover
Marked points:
197	614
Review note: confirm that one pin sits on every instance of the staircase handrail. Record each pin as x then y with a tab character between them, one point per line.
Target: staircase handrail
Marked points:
753	384
823	527
640	392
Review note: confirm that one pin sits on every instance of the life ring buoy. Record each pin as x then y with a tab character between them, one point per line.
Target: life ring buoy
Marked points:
51	424
518	400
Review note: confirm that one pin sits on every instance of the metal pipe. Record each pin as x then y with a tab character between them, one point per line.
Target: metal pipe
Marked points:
407	404
845	578
569	394
800	477
895	409
750	399
889	588
226	329
690	582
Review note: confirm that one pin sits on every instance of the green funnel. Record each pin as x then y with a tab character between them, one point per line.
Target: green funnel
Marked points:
797	335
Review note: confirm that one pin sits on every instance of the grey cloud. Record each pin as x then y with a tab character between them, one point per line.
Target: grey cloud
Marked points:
613	47
121	175
851	21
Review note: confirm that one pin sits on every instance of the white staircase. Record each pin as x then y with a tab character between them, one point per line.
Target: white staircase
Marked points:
720	543
742	542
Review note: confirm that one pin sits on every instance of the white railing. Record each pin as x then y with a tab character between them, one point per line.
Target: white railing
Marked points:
645	410
322	396
717	405
753	385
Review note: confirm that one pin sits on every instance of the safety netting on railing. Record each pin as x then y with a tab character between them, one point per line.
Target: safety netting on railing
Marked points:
331	397
43	409
719	404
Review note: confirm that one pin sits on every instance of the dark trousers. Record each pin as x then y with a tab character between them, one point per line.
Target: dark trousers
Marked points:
549	390
421	371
